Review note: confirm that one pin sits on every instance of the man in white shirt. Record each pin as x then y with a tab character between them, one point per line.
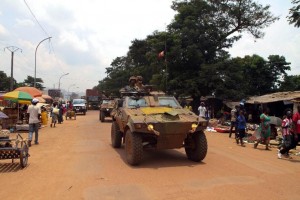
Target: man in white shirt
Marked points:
202	110
34	120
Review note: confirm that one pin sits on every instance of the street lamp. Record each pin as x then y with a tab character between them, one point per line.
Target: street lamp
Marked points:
35	59
60	78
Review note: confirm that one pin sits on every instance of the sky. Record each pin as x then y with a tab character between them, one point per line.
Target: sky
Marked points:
88	35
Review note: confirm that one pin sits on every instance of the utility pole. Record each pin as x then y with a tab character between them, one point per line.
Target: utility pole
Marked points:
12	49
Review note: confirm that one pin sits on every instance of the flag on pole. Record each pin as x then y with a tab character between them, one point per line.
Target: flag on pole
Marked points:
161	54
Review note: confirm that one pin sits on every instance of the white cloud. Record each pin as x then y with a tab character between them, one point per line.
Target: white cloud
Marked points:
280	38
3	31
72	39
24	22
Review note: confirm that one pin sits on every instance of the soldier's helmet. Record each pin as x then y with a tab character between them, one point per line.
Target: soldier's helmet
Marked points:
139	78
132	78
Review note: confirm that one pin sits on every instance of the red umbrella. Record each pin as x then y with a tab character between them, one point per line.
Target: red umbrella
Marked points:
34	92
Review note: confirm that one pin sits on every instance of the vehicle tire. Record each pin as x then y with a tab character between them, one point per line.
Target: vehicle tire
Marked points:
116	135
102	116
24	156
133	148
84	112
196	146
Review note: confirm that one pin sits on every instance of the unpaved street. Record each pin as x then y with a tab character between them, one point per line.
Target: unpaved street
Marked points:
75	160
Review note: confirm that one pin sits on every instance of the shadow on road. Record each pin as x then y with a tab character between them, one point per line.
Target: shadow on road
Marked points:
106	121
160	158
10	167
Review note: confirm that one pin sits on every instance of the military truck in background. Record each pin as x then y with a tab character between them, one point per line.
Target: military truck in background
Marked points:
154	120
93	99
54	93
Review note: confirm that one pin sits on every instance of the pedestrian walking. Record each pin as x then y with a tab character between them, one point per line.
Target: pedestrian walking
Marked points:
34	121
54	114
264	129
287	123
241	125
233	120
295	136
202	110
60	113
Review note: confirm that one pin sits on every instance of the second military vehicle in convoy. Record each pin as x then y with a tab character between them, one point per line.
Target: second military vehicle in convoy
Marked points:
106	107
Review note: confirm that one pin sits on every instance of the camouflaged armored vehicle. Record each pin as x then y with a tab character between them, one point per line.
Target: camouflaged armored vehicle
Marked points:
153	120
106	107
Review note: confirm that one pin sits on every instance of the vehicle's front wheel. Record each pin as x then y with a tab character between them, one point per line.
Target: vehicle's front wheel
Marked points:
133	148
196	146
116	135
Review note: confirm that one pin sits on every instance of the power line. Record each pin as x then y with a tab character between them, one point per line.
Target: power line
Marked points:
36	19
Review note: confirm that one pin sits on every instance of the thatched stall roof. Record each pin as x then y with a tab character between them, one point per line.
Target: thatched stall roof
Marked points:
274	97
231	104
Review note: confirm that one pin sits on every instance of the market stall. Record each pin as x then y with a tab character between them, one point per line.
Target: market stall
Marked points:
16	109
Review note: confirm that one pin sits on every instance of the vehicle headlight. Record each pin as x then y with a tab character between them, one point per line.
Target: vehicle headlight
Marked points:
150	127
194	126
107	109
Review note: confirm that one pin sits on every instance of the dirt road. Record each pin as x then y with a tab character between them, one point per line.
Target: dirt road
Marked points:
75	160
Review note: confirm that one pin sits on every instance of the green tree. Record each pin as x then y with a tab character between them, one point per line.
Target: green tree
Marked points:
290	83
196	61
30	82
4	82
294	14
202	32
278	67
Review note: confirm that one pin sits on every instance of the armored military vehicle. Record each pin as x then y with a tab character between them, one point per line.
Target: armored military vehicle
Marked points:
105	109
154	120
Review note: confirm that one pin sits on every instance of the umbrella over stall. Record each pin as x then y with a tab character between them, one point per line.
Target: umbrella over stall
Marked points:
41	99
275	120
3	115
34	92
18	96
47	97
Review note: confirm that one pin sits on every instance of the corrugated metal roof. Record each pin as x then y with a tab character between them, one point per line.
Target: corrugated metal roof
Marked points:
278	96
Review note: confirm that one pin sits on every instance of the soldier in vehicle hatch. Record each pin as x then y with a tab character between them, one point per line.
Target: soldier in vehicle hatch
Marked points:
131	86
139	84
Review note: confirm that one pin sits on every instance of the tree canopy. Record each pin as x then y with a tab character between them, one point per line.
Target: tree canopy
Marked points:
5	82
196	61
294	14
